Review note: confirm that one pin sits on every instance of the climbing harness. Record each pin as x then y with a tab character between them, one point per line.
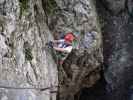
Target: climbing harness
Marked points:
61	56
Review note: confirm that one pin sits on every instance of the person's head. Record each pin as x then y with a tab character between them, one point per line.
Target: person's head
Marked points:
70	36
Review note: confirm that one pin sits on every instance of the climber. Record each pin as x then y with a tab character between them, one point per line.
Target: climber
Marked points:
64	44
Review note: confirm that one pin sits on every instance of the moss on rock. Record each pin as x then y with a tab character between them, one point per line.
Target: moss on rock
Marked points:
23	7
49	6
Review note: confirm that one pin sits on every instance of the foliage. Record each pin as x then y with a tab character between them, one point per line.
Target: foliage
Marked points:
23	7
50	5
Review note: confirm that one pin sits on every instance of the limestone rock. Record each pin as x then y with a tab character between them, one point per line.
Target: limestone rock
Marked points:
82	67
24	60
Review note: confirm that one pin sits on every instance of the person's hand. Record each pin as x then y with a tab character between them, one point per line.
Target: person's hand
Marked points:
50	44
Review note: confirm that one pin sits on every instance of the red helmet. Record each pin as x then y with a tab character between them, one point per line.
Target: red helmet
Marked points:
69	37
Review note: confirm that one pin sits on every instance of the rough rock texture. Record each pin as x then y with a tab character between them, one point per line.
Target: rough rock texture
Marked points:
82	67
115	6
24	60
117	30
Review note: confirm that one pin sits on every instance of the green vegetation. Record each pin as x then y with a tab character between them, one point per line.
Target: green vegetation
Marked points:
23	7
50	6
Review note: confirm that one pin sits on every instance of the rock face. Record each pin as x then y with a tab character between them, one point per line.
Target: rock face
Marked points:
82	67
118	40
24	60
115	6
27	66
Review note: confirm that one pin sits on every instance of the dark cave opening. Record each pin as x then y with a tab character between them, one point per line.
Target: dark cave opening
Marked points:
97	92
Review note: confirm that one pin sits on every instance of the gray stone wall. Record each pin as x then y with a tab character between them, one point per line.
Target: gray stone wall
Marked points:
82	67
24	60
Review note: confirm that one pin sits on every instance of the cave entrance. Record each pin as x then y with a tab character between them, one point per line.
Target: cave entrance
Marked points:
97	92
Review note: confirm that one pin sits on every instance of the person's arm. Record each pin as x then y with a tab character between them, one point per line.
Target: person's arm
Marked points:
67	49
56	41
